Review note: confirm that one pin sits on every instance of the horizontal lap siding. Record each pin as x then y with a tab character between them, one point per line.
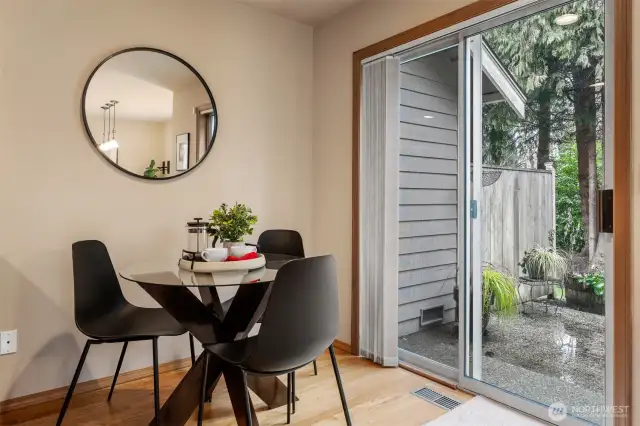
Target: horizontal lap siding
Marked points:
426	259
430	118
425	244
427	227
427	181
427	102
427	87
427	195
425	291
426	275
410	213
428	149
427	165
428	134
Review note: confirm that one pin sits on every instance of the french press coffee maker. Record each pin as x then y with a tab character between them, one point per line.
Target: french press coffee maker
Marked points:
197	239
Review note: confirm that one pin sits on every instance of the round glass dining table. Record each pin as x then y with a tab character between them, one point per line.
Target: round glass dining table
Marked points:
210	322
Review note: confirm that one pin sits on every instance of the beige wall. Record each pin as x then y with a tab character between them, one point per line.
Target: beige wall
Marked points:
185	121
334	44
56	189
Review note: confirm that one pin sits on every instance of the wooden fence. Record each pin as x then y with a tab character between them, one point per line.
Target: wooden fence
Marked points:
517	213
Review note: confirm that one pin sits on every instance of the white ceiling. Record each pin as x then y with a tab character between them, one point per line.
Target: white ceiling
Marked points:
143	83
310	12
154	68
137	99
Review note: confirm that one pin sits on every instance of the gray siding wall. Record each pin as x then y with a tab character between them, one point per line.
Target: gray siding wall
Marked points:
427	194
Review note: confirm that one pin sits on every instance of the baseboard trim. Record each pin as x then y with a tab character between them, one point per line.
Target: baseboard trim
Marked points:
88	386
105	382
339	344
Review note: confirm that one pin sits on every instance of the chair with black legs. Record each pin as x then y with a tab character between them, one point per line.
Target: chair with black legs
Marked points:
104	315
289	243
271	243
299	324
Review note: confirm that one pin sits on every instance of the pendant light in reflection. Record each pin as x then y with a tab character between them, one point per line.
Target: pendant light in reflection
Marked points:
110	143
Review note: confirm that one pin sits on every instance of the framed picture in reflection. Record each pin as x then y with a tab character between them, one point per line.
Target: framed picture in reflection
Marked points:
182	152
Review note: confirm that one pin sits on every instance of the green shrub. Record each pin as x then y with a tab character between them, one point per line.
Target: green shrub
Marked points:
570	231
232	224
499	293
593	280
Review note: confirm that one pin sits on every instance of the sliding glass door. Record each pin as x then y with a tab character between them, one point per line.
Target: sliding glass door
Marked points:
534	328
504	153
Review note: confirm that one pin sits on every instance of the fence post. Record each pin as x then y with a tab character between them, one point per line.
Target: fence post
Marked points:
549	166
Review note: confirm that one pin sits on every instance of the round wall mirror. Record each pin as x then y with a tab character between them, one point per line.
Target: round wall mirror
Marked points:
149	113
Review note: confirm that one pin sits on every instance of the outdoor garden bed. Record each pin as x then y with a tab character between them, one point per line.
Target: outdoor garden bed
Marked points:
581	294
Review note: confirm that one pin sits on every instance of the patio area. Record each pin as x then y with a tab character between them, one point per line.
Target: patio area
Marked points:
545	356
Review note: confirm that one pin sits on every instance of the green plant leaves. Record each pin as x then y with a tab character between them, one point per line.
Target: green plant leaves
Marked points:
594	280
499	292
151	170
232	223
544	262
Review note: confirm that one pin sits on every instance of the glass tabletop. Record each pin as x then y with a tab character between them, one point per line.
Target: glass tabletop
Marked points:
166	274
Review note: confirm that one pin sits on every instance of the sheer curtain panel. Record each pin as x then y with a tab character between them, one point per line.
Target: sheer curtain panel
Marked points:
379	139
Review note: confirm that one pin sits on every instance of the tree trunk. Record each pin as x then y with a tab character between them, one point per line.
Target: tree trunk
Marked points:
585	120
544	129
544	113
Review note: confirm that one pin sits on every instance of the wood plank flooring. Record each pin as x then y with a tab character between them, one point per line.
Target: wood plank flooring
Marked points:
376	396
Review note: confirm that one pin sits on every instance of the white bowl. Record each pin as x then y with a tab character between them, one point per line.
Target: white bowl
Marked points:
215	254
239	251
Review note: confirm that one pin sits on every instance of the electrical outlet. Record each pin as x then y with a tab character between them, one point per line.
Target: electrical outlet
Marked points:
8	342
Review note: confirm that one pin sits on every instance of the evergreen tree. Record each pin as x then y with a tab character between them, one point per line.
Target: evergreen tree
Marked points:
558	68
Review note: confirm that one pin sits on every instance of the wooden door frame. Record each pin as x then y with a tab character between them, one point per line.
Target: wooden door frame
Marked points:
622	260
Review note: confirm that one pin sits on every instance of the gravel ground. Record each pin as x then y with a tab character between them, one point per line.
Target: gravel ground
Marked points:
545	356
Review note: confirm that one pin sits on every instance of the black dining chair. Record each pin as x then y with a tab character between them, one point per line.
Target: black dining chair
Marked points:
281	241
104	315
287	242
273	242
299	324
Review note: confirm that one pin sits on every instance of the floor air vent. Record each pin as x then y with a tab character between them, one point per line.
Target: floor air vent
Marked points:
437	398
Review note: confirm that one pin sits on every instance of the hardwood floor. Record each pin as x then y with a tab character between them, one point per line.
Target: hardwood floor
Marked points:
376	396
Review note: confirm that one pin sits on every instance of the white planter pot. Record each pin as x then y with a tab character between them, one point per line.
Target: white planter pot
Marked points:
229	244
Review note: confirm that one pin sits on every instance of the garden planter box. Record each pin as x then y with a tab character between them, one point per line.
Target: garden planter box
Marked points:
582	298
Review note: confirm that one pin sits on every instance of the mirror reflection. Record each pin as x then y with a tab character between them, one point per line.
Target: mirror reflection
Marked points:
148	113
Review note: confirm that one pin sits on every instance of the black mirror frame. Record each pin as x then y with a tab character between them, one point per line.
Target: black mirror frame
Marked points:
183	62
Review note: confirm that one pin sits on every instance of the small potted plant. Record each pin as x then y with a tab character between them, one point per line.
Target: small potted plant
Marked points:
231	224
544	263
151	170
499	295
